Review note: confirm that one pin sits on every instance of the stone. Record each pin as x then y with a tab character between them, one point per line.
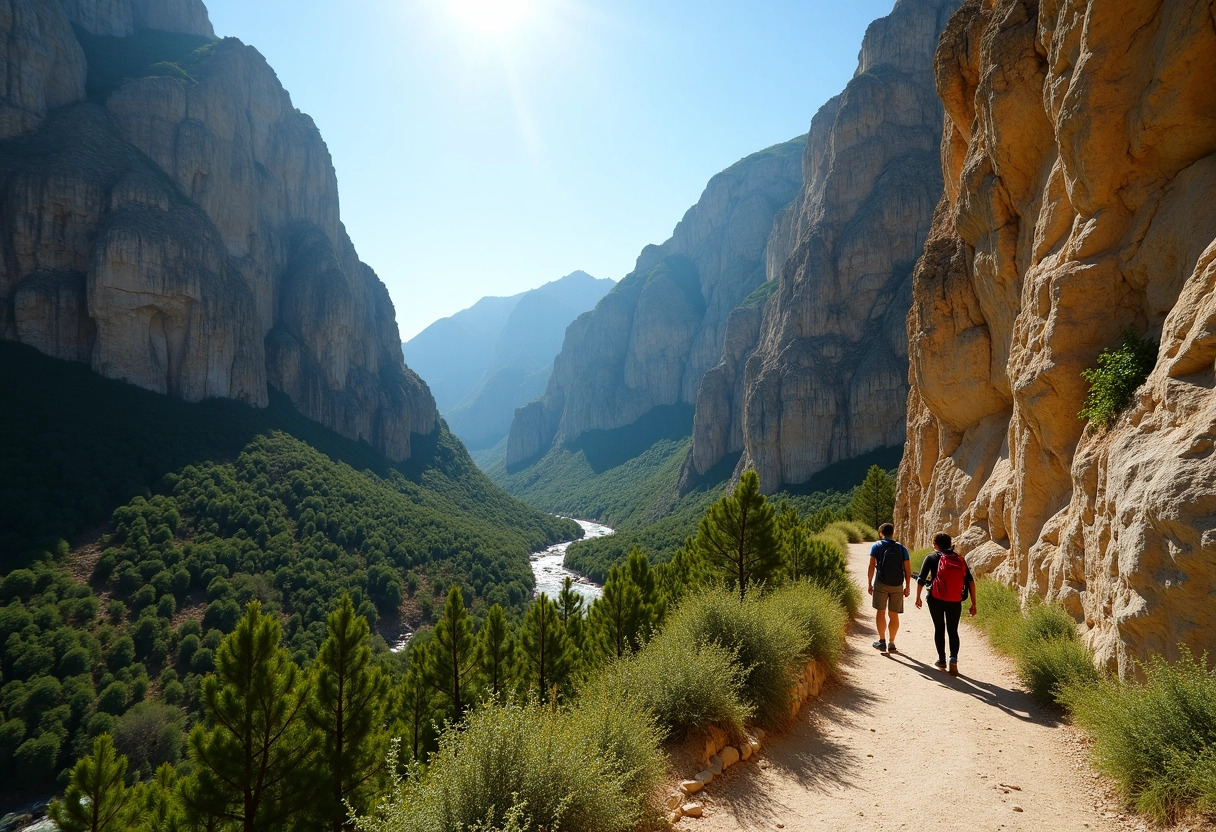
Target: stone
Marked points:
745	751
730	756
676	798
692	810
821	375
185	237
703	777
1079	156
691	786
715	764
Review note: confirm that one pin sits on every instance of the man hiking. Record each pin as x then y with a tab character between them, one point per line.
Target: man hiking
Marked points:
889	580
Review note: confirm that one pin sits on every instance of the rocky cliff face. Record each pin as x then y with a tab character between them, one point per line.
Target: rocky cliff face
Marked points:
822	377
176	223
1080	163
651	339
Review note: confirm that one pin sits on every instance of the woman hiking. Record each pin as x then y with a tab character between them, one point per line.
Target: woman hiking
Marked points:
949	580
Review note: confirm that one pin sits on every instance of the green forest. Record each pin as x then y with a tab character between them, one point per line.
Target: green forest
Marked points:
137	528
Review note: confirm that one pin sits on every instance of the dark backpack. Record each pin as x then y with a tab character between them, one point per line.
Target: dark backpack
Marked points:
949	580
890	564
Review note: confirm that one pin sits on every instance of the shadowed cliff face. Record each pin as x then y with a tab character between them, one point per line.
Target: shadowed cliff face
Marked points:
1079	153
821	377
651	339
170	218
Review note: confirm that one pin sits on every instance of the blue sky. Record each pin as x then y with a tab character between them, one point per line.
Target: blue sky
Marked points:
478	156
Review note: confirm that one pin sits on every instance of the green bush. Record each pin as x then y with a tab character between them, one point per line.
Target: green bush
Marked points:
818	612
525	766
1044	622
853	532
836	536
684	687
1046	666
1113	383
768	648
999	613
1156	738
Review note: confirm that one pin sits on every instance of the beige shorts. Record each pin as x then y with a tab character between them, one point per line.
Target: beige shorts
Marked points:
889	598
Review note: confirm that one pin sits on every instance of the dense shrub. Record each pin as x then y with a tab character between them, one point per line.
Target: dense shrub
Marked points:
1113	383
768	648
526	766
818	612
1156	738
683	687
1047	665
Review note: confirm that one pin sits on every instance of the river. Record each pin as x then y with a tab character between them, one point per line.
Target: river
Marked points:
550	571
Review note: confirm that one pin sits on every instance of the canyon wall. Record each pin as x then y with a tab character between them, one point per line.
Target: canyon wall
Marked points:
175	222
1079	154
651	339
822	375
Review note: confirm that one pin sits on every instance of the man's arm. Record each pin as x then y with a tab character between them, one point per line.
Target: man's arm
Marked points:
870	575
907	575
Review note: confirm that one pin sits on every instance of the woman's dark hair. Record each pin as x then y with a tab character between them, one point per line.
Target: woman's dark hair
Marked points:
942	541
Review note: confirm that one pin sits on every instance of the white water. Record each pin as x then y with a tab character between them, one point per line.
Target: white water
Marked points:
549	571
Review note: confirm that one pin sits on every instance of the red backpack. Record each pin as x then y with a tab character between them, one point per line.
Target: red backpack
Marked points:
949	580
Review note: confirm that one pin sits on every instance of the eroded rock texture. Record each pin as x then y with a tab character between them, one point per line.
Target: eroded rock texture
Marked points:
1079	153
824	377
651	339
176	225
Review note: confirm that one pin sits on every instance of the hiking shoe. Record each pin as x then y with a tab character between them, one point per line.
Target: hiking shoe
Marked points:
891	648
880	646
940	664
953	671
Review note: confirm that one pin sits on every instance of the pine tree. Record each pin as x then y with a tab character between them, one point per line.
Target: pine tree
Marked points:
450	655
654	605
251	755
495	650
794	539
545	648
162	810
737	536
347	710
874	500
570	606
416	705
615	618
97	799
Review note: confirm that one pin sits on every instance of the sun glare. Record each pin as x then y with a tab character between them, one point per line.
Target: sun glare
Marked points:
493	16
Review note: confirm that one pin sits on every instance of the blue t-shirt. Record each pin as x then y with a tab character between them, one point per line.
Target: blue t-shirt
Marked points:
876	552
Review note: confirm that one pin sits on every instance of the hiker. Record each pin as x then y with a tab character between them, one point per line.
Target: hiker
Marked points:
949	580
889	580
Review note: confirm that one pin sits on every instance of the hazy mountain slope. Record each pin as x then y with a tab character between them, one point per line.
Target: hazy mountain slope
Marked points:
495	356
172	220
818	373
649	341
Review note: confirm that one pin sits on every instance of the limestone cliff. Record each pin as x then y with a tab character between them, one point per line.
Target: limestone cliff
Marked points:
170	218
822	377
1079	153
651	339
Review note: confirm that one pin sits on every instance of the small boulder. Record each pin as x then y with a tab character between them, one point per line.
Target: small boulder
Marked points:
715	764
745	750
692	810
730	756
703	777
691	786
676	798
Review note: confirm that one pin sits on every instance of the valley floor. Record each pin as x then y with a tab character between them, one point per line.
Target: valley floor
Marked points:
896	744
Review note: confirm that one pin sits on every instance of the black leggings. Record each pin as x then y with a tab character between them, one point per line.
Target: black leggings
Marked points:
945	616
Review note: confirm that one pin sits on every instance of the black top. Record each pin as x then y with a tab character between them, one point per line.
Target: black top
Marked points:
928	571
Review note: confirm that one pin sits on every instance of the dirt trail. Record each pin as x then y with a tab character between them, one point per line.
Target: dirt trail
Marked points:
898	745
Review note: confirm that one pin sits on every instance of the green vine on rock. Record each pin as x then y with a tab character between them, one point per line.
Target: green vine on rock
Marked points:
1113	383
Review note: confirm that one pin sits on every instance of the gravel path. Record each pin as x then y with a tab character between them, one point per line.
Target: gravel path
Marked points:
896	744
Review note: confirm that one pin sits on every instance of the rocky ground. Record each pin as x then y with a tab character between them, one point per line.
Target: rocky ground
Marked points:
896	744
